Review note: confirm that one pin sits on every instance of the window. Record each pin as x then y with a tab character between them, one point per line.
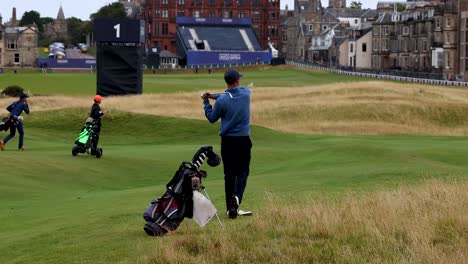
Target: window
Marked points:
227	14
284	38
196	13
448	22
466	23
241	14
364	47
386	30
180	12
165	14
164	2
376	31
164	29
17	58
211	13
311	27
351	47
256	15
405	30
355	21
466	65
438	23
12	44
181	2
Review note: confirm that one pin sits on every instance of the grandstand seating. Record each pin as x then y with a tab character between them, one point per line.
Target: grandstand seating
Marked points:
219	38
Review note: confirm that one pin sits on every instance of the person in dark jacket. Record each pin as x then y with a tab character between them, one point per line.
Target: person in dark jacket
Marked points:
233	108
96	114
16	110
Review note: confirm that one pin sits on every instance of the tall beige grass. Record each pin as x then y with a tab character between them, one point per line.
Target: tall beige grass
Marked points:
366	108
418	224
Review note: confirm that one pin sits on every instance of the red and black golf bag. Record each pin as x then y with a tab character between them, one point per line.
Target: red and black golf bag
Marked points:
166	213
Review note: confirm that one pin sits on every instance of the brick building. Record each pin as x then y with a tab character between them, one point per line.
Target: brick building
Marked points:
160	17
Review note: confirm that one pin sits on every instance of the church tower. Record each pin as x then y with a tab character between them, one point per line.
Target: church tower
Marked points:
337	3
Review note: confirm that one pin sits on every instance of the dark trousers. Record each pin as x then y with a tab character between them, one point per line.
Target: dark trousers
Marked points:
97	131
13	128
235	152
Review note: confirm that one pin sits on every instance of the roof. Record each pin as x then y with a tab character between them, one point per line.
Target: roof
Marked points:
15	30
345	12
370	13
61	15
385	18
168	54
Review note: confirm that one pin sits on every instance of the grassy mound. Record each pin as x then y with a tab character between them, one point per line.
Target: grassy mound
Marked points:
66	209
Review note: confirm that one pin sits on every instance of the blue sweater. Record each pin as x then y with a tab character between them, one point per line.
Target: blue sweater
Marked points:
234	112
17	108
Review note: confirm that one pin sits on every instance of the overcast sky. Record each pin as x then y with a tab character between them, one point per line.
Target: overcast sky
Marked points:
83	8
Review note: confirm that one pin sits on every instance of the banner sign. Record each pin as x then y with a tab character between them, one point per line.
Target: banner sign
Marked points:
66	63
226	57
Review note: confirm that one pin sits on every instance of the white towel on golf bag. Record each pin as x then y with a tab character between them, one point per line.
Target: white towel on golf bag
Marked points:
203	209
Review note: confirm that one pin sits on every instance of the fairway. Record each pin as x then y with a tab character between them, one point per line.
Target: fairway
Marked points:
62	209
85	83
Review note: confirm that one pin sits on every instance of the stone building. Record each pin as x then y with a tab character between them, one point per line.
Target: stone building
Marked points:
301	26
341	28
421	39
20	46
463	44
160	17
2	45
58	28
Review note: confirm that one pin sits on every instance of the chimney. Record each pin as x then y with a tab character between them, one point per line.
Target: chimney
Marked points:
14	21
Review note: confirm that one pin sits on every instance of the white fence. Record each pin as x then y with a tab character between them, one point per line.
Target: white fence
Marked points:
377	76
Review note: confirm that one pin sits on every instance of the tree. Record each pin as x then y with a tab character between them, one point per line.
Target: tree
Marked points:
356	5
114	10
75	30
31	17
401	7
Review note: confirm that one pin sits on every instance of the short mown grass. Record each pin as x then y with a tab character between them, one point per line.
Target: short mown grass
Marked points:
85	83
66	209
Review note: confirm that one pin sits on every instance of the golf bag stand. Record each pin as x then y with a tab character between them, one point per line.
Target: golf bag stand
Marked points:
167	213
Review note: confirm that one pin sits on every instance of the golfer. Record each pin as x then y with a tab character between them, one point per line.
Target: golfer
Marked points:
96	114
16	109
233	108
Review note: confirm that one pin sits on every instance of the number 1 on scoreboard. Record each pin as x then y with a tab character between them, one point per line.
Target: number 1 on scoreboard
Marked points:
117	30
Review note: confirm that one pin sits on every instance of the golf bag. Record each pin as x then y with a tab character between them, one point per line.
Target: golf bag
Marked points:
5	124
167	213
85	142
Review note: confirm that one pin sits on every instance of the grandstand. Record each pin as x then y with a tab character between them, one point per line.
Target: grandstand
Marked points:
217	41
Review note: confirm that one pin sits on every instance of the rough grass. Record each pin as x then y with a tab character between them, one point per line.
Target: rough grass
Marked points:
424	224
359	108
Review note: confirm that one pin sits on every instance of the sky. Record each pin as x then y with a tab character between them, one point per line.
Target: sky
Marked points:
83	8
